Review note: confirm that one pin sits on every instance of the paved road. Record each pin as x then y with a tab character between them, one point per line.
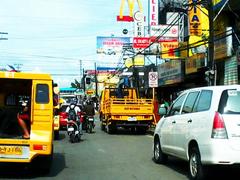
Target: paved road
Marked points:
99	156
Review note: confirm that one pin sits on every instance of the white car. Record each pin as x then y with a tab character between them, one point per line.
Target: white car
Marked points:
202	126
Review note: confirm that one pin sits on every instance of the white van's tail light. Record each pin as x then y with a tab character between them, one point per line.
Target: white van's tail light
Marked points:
219	130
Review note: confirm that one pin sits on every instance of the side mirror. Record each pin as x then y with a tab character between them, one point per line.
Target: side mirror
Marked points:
162	110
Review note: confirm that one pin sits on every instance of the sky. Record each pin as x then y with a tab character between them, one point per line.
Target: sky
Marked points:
59	36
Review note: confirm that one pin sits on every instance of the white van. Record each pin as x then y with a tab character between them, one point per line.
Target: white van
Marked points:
202	126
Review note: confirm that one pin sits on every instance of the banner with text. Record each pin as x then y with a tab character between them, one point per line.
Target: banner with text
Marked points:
111	45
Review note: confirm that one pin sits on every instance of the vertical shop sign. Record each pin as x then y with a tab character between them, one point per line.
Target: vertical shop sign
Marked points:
153	13
138	24
194	16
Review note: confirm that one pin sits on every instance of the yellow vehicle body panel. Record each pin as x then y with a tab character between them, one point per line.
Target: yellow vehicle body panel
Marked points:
129	106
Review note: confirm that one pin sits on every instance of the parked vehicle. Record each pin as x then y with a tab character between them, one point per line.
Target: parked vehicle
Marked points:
15	147
202	126
125	109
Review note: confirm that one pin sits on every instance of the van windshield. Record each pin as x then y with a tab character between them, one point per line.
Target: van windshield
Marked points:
229	102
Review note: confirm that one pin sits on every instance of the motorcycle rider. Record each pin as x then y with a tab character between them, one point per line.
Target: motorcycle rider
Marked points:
76	109
89	109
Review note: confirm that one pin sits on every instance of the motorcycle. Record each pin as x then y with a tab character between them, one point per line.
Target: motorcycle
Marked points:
90	124
73	131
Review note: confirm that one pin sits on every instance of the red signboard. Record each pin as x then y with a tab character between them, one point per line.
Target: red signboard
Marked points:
141	42
163	39
125	18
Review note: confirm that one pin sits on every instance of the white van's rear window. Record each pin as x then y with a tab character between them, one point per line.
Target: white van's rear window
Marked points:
230	102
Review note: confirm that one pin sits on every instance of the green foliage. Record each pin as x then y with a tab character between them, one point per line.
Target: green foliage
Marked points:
76	84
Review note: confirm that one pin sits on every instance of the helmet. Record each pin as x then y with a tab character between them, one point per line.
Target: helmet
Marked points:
74	101
88	102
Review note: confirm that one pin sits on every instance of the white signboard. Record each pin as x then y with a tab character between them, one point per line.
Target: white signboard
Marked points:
164	31
138	24
153	12
153	79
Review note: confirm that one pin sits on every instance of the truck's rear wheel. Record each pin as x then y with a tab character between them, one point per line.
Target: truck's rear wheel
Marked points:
102	127
141	130
111	129
56	135
42	164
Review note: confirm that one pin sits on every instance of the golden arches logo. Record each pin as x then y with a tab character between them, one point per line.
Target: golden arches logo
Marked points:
130	6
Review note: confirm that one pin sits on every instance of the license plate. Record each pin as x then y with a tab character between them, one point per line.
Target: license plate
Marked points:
132	119
90	119
71	129
11	150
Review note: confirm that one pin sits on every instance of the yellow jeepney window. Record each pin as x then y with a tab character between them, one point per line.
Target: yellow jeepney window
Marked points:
42	96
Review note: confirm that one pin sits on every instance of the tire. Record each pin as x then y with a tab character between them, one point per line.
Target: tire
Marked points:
72	138
90	127
56	135
42	164
102	127
110	129
158	156
79	138
141	130
196	169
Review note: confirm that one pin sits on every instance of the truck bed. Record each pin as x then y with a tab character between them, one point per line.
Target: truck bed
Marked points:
123	106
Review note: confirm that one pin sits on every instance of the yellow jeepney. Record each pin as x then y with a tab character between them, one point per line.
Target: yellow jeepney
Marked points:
37	89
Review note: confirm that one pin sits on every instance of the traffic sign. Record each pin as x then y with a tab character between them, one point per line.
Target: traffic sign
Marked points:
153	79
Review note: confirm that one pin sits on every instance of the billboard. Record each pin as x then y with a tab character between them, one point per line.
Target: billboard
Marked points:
193	63
169	50
194	16
111	45
164	30
170	73
141	42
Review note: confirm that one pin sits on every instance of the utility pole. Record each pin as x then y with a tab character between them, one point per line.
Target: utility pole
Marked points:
96	81
135	75
211	63
80	70
83	81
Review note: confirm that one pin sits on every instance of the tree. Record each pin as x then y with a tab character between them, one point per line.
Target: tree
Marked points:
76	84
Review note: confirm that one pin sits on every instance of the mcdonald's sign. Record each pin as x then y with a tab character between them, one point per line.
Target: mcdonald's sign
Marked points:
128	18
